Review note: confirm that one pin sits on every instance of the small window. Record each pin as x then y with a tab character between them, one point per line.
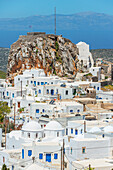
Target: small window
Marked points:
39	91
32	75
47	91
44	135
12	95
76	132
66	131
40	156
3	159
66	92
7	93
37	110
42	83
51	82
57	91
71	130
83	150
43	110
38	83
71	150
55	156
45	82
78	110
57	134
31	82
81	131
18	79
29	104
28	135
71	111
29	152
36	135
97	88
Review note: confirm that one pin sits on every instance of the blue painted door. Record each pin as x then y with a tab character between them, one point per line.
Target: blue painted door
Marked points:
48	157
22	153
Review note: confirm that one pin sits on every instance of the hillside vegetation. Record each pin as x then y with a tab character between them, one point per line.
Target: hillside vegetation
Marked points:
106	54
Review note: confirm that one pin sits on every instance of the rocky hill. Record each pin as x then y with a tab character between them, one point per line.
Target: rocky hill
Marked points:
55	54
4	52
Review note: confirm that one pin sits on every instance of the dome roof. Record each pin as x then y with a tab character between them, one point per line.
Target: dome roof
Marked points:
108	129
31	126
53	125
35	166
95	129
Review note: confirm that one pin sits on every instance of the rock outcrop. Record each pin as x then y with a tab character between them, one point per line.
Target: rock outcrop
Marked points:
55	54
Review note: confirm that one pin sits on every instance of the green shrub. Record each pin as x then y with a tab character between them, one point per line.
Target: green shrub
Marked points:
56	46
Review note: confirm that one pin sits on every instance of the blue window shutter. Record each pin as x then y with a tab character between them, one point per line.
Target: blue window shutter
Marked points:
29	152
45	82
40	156
43	110
7	93
31	82
12	95
22	153
55	156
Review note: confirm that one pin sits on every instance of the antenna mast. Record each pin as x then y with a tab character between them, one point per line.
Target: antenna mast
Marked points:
55	20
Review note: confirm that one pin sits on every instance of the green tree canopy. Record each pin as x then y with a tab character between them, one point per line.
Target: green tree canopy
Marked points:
4	109
4	167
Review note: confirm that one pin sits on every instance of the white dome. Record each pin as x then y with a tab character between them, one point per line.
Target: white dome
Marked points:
35	166
31	126
108	129
95	129
53	125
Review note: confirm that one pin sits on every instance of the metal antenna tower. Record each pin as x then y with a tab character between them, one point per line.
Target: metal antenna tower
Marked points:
55	20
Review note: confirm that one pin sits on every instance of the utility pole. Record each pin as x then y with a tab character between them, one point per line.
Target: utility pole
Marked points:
14	116
21	88
63	154
84	126
61	158
5	131
55	20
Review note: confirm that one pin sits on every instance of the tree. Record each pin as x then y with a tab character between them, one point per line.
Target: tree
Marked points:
4	109
4	167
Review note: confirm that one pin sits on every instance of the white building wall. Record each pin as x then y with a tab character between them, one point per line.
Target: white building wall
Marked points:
95	148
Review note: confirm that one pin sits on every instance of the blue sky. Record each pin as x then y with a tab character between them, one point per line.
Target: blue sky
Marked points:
24	8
